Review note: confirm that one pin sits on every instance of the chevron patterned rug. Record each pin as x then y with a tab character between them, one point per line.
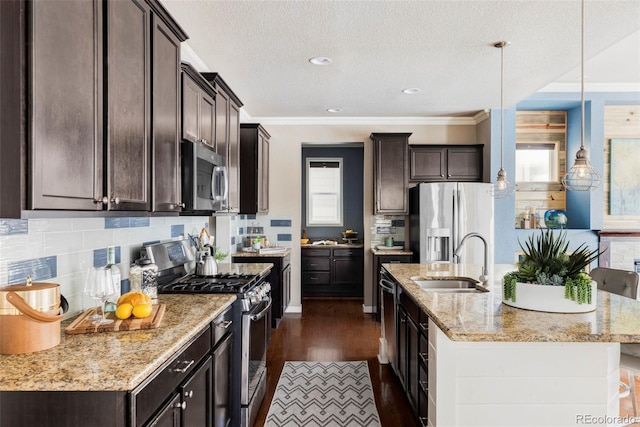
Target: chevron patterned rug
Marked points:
323	394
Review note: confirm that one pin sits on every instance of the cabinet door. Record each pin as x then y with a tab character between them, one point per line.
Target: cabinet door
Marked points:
190	109
170	415
464	163
166	113
222	123
233	159
128	83
263	176
286	288
401	333
391	173
412	374
197	395
347	270
428	164
207	119
66	106
222	364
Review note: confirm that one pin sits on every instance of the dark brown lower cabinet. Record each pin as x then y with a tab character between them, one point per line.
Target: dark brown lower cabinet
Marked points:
170	415
197	395
222	367
413	354
378	260
336	271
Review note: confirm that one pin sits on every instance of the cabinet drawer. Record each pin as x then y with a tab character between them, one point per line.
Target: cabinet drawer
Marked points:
347	252
410	307
222	325
316	264
316	278
316	252
150	395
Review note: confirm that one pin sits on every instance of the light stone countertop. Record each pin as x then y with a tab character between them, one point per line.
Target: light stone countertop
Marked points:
118	361
483	317
251	254
377	251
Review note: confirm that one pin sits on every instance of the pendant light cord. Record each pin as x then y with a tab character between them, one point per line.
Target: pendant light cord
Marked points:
502	106
582	80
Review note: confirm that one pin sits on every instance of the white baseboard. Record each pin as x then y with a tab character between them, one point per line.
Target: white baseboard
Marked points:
294	309
368	308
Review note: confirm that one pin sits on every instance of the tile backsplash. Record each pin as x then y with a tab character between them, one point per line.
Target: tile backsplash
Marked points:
384	226
60	250
235	228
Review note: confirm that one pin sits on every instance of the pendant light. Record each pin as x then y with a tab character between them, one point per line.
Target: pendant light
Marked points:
502	188
582	176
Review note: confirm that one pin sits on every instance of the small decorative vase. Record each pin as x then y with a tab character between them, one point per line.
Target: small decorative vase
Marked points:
555	218
551	299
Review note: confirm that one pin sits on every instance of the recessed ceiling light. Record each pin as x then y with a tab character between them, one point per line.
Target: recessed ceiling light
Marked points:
411	90
334	110
320	60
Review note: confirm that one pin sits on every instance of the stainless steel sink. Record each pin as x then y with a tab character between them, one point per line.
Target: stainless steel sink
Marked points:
452	285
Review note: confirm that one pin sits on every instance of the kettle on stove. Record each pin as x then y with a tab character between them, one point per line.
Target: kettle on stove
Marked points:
206	264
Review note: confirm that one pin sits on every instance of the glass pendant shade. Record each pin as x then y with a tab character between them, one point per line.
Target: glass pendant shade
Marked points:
582	176
502	188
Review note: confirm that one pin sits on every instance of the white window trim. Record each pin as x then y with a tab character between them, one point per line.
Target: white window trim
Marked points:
340	221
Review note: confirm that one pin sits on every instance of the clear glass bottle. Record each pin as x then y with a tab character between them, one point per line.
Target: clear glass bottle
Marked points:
143	277
115	270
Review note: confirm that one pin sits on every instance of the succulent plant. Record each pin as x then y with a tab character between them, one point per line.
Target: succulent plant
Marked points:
547	262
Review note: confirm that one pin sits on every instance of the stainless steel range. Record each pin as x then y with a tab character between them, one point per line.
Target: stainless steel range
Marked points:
176	265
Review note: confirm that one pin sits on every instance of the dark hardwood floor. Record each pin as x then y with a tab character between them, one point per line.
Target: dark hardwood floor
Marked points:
336	329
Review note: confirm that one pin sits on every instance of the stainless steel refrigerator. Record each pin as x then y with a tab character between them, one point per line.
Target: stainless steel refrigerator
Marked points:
441	214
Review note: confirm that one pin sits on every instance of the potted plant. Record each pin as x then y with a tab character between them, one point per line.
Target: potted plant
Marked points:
549	278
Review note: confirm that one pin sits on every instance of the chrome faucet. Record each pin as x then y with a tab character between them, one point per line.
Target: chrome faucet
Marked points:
485	268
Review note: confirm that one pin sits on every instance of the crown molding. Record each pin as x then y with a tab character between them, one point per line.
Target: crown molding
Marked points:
391	121
592	87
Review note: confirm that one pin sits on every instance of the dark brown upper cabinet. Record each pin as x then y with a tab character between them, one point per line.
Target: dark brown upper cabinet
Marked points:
254	168
66	116
227	136
166	190
391	173
198	107
430	163
81	104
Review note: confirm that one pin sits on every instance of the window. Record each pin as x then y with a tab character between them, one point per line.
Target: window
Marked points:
537	163
324	192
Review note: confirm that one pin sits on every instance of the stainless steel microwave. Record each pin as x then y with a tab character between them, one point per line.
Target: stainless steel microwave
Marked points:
205	185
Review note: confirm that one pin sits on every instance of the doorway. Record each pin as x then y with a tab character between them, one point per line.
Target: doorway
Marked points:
332	265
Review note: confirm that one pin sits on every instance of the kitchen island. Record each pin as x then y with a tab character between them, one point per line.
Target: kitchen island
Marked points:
494	365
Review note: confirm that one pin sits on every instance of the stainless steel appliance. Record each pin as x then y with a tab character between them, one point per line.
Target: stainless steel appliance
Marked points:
388	318
442	214
205	183
175	267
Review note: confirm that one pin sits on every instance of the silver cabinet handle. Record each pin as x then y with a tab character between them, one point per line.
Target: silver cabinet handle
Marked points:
424	385
115	200
188	394
425	358
104	200
182	405
186	368
224	325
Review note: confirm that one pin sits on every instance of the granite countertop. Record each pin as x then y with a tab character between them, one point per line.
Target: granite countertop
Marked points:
256	268
402	251
338	245
265	253
112	361
483	317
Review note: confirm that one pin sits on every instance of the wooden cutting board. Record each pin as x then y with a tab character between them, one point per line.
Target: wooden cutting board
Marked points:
82	325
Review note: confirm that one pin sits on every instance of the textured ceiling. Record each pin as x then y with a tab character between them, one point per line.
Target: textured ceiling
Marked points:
378	48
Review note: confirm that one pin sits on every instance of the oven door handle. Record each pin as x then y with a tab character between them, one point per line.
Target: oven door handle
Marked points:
254	317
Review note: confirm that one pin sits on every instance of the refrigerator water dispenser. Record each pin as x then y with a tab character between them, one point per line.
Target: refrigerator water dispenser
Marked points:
438	244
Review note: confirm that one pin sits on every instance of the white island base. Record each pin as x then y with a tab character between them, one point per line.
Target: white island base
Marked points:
515	384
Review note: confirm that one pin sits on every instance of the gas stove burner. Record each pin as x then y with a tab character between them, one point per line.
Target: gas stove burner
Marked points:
220	283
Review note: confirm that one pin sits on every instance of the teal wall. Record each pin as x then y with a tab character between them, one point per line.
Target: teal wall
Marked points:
584	210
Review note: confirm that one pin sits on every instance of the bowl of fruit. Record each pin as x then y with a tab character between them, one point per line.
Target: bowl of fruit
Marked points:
350	234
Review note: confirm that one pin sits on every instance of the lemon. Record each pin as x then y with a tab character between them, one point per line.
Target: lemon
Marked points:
142	310
134	298
124	311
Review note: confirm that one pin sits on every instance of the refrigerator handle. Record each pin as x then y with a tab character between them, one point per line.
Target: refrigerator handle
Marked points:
455	224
